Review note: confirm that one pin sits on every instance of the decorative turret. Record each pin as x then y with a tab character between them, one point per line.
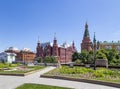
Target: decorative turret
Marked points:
39	49
38	41
55	46
86	42
73	44
55	40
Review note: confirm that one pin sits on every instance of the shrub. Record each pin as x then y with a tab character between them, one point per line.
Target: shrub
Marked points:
39	59
75	70
54	60
98	74
50	59
4	65
13	65
78	61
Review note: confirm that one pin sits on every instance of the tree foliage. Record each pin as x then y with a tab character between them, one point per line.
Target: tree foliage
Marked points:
100	55
39	59
50	59
112	55
75	56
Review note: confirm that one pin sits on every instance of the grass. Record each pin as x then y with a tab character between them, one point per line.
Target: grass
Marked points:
8	65
102	74
39	86
21	69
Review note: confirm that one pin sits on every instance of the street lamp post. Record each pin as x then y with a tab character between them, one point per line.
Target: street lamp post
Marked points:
94	50
65	56
25	59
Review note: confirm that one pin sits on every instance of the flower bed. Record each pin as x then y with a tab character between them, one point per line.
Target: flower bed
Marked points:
20	70
102	74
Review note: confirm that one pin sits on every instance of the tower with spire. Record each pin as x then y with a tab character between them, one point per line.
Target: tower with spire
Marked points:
39	49
86	42
55	46
63	53
73	44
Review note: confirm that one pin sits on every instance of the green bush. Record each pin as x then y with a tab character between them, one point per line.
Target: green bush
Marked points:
13	65
7	65
78	61
75	70
4	65
50	59
39	59
115	62
99	73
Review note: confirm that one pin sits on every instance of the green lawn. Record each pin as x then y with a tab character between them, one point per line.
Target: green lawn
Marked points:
39	86
102	74
21	69
8	65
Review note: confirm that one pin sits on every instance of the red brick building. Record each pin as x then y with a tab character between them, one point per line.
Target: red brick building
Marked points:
86	42
24	55
62	52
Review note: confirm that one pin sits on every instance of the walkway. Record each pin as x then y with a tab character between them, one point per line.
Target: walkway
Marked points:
11	82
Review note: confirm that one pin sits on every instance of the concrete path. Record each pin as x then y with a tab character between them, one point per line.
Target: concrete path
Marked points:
11	82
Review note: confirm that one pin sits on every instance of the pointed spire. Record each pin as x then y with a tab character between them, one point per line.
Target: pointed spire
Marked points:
94	39
38	44
55	39
55	36
86	33
38	39
73	44
86	25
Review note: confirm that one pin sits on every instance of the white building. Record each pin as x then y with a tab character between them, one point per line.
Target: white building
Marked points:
7	57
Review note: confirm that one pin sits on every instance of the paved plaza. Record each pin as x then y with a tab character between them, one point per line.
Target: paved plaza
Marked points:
11	82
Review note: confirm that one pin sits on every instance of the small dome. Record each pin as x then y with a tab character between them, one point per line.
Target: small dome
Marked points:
26	49
13	49
66	45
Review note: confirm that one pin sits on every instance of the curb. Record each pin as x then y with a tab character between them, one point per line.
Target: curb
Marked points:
84	80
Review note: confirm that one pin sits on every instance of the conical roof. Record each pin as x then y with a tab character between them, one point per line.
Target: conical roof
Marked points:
86	33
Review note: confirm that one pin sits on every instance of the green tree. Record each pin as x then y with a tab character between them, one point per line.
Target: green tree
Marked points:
112	53
100	55
84	56
78	61
50	59
39	59
90	59
75	56
54	59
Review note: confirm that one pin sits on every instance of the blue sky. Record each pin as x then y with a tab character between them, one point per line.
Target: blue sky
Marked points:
21	21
